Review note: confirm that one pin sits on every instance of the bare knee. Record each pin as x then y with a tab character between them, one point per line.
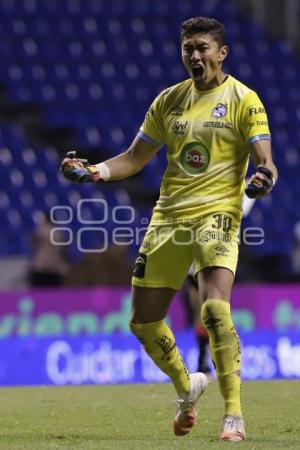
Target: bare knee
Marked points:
217	292
150	304
217	283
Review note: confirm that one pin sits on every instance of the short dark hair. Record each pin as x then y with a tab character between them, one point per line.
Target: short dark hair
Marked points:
204	25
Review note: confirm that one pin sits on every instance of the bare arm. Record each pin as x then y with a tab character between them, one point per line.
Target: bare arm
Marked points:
132	160
261	154
122	166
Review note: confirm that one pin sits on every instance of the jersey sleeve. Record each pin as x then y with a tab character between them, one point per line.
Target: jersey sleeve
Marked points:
152	129
253	120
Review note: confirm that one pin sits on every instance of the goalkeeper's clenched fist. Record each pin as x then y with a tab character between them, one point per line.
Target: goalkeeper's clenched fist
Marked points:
261	183
78	170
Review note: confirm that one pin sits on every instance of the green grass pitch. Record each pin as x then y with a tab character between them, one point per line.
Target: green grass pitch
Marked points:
140	417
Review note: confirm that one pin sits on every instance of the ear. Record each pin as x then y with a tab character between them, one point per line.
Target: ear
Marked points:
223	53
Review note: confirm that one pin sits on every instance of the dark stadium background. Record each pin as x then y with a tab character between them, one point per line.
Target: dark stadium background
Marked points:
80	74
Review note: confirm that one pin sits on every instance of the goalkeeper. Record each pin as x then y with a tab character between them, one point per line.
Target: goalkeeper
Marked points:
210	124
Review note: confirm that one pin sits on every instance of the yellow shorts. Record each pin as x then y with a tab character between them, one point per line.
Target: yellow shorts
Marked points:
168	250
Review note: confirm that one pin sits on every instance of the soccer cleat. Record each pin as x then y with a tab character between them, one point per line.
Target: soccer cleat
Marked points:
186	415
233	429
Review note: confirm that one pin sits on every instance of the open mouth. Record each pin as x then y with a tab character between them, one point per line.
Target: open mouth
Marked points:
197	71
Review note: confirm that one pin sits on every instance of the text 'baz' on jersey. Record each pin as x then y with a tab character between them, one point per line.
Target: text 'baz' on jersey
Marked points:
207	134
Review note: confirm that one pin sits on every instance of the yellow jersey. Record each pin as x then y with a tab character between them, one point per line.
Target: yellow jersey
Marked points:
207	134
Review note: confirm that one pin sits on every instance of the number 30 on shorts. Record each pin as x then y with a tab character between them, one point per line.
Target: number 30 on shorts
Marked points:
222	222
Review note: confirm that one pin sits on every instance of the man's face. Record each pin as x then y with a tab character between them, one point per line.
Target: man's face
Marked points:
203	58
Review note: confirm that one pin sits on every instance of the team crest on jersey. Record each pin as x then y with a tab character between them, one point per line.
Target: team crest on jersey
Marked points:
220	110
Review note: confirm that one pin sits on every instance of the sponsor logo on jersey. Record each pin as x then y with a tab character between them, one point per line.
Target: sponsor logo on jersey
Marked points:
217	125
195	158
220	110
257	123
178	111
179	127
256	110
262	122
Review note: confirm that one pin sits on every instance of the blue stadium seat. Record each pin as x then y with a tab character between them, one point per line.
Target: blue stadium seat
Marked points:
95	66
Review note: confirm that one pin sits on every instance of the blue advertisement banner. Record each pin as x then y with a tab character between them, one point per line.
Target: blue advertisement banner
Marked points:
119	358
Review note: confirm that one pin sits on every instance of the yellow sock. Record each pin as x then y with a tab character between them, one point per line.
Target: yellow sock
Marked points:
225	352
159	343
